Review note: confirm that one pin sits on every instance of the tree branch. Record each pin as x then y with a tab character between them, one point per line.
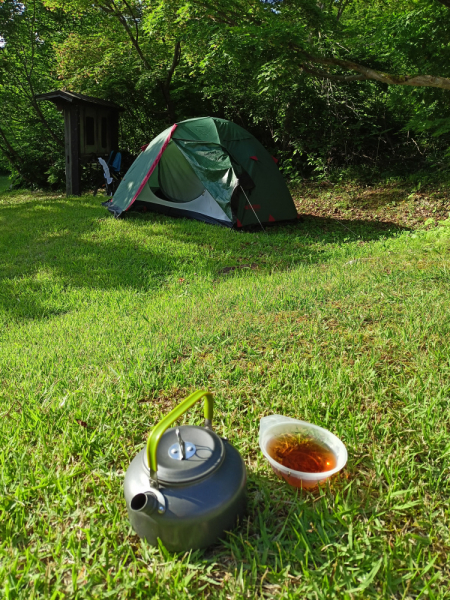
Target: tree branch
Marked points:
165	85
175	61
30	93
368	73
136	24
10	153
331	76
111	9
342	6
231	18
33	37
44	121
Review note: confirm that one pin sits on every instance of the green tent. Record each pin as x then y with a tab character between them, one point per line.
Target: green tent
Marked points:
207	169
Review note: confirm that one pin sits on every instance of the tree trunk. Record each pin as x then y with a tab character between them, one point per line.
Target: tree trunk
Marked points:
165	85
110	8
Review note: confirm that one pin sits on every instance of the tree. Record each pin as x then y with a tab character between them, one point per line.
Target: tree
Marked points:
328	82
315	34
152	30
27	32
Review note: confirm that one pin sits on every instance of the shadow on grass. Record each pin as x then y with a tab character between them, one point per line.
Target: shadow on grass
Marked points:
280	524
374	199
49	247
348	230
309	229
359	196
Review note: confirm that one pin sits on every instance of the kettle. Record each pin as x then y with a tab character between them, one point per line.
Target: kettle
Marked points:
188	486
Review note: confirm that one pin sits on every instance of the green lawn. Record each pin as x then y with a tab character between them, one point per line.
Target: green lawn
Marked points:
106	324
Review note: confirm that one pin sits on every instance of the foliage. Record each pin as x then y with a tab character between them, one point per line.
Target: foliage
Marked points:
4	182
279	68
31	135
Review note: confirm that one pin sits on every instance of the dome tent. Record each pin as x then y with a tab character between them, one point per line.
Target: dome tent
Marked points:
207	169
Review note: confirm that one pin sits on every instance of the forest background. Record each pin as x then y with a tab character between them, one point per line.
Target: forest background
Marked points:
335	89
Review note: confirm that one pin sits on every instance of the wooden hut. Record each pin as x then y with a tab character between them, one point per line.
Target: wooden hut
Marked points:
91	129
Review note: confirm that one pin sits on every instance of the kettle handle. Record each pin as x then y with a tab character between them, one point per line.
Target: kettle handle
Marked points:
156	432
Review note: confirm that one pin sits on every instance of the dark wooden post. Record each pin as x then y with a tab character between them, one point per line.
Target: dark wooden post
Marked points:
72	149
115	130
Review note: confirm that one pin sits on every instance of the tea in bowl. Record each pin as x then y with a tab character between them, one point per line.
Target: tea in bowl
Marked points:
303	454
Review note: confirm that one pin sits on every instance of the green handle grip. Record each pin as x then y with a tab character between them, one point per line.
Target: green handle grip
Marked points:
156	433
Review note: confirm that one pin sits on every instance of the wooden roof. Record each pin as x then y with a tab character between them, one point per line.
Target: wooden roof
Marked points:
72	97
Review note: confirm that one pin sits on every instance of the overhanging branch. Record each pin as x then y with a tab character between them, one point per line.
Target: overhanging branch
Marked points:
109	7
373	74
325	75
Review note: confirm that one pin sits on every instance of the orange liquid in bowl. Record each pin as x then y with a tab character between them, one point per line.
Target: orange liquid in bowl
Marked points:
307	455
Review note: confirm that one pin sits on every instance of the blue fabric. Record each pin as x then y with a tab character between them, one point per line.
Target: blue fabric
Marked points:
115	164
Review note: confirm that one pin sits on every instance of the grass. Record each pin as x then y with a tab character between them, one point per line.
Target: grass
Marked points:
106	324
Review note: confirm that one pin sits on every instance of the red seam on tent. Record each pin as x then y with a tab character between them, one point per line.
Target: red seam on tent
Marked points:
275	160
254	157
238	223
152	168
254	206
144	147
271	219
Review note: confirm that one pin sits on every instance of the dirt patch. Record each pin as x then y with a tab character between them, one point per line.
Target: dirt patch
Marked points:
225	270
399	205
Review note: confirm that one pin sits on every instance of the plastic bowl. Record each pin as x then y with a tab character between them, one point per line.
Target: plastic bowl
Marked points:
276	425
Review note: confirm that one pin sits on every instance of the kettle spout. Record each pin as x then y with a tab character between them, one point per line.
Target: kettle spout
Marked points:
144	502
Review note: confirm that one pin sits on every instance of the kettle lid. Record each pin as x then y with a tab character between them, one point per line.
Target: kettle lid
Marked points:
204	452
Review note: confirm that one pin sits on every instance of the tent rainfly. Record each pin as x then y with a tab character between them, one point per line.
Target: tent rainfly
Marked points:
207	169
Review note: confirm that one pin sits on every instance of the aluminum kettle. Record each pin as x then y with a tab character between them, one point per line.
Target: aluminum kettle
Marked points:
188	486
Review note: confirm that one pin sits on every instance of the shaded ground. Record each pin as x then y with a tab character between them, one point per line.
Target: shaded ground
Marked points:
402	205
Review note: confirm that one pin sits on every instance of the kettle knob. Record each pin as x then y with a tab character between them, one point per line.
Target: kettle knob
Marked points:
181	444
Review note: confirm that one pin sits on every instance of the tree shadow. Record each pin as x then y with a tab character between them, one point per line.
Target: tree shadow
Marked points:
348	230
373	199
362	198
52	246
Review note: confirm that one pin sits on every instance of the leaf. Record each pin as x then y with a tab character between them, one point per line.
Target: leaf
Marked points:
400	507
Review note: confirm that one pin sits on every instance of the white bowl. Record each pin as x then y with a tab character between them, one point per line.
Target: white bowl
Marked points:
276	425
